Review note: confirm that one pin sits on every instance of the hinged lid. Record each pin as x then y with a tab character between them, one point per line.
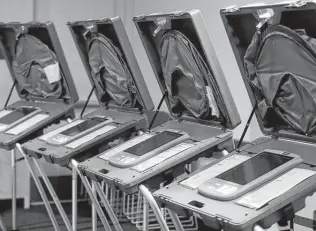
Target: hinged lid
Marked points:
36	62
110	63
275	49
186	67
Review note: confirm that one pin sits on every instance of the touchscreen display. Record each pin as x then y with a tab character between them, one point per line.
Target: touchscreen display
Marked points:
253	168
16	115
152	143
83	126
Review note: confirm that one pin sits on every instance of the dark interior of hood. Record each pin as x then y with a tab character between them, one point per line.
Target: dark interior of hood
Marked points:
8	37
151	43
241	29
108	31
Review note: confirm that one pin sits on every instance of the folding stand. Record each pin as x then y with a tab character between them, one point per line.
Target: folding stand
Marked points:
95	190
13	187
35	168
91	190
2	225
37	171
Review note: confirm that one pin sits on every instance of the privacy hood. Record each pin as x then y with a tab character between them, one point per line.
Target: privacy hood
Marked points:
110	63
275	48
36	62
186	67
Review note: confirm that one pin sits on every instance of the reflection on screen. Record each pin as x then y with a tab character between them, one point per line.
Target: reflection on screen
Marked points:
83	126
16	115
152	143
253	168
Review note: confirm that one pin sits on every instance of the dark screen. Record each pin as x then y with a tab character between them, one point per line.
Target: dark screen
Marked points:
152	143
253	168
16	115
83	126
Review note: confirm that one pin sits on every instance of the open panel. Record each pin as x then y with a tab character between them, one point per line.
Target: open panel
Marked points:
119	63
190	46
282	108
36	61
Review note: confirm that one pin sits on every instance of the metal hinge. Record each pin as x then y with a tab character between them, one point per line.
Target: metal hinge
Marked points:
266	15
103	19
296	4
178	13
164	198
230	9
71	22
82	167
139	17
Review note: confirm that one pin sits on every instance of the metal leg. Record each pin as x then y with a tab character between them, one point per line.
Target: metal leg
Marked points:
145	215
284	226
92	196
108	207
74	198
154	207
175	220
2	225
40	188
13	188
53	194
93	212
258	228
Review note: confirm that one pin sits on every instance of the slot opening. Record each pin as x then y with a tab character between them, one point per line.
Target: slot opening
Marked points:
196	204
104	171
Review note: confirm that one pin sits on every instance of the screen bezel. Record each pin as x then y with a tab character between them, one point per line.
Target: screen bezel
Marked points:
80	124
176	136
221	176
204	189
31	110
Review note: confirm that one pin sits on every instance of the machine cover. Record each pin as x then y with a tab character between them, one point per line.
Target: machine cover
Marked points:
110	63
275	48
32	59
186	67
110	72
184	70
281	67
36	61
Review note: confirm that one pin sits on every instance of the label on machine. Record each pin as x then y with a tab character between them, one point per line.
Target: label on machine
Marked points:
162	157
196	180
260	197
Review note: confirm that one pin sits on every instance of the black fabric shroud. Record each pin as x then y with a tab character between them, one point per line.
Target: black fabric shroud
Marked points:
110	72
187	77
31	57
281	67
